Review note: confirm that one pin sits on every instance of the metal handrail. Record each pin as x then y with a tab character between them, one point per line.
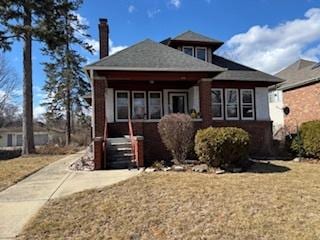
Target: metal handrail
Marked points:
131	136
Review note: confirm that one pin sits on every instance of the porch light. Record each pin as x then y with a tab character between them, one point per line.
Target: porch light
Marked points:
151	82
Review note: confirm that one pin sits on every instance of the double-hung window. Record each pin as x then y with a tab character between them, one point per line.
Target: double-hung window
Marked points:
217	103
122	105
247	104
232	104
201	53
188	50
155	104
138	105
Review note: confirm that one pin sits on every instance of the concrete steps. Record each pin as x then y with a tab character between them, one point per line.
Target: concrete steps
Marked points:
119	153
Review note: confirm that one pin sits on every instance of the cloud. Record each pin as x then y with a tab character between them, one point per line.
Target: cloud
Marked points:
272	48
153	13
38	111
175	3
113	48
131	9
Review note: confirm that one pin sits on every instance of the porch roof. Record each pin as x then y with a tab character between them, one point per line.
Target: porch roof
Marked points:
152	56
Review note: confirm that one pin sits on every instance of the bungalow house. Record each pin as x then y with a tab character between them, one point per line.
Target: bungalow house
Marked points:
134	88
300	93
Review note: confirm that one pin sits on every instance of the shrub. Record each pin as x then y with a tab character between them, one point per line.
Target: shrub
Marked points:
176	132
309	139
57	150
222	147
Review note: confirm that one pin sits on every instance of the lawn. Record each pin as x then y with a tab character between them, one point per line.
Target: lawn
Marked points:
16	169
273	201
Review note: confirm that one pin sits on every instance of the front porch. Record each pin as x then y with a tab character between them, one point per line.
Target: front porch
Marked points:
142	101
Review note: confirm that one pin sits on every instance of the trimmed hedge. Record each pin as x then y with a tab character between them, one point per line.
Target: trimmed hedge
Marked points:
222	147
309	139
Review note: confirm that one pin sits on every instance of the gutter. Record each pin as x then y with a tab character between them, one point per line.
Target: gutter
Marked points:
299	84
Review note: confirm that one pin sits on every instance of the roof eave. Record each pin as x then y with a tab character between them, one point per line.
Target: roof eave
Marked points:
104	68
287	87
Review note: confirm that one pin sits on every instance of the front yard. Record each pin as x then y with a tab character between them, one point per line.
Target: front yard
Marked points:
273	201
16	169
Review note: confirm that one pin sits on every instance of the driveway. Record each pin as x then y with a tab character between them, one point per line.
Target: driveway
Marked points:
21	201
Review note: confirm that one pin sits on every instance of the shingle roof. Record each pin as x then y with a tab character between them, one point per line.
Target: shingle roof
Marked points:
240	72
299	73
152	56
190	36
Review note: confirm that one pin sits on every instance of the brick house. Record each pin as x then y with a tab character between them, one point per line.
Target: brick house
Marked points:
300	92
181	74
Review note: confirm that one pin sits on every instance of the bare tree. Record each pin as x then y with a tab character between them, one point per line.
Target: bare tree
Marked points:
8	81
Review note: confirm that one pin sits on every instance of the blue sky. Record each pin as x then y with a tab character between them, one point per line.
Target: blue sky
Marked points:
265	34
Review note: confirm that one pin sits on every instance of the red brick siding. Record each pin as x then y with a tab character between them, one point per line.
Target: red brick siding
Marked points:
205	102
304	104
260	133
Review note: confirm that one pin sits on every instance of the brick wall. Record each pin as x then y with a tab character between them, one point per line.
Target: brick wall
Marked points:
260	133
304	104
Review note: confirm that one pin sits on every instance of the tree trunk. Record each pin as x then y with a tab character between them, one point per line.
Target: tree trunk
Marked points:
68	81
27	122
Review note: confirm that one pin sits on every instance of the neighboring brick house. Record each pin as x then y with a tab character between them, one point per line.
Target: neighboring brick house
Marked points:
151	79
300	93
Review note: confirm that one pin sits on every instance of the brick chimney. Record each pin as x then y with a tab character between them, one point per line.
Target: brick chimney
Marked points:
104	37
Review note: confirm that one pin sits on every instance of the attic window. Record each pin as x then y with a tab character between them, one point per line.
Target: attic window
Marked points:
201	53
188	50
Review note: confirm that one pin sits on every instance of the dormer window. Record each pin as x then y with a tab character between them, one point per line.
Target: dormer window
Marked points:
201	53
188	50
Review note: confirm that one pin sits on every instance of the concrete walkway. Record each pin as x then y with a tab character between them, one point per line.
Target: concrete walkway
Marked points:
21	201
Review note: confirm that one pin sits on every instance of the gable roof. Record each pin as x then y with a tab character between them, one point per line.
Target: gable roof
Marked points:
299	73
240	72
152	56
190	36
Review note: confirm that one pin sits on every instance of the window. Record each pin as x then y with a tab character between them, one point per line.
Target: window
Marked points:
188	50
138	105
217	103
232	111
247	104
155	105
201	53
122	105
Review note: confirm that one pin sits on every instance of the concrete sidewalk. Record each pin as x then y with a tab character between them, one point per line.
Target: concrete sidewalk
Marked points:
21	201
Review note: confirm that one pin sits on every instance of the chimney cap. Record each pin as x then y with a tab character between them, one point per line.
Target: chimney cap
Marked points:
103	20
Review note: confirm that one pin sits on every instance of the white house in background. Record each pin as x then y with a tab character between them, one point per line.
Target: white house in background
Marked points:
12	136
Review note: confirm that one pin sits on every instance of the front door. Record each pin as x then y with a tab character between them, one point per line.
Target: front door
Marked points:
178	102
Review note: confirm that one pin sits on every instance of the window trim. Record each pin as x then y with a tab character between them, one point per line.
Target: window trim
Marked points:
246	104
161	105
145	104
205	53
193	53
226	103
222	104
116	105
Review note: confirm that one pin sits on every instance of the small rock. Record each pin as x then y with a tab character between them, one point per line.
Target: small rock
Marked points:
220	171
200	168
178	168
237	170
150	170
297	159
166	169
188	161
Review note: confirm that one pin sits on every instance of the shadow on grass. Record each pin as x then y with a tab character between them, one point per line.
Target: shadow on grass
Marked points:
267	167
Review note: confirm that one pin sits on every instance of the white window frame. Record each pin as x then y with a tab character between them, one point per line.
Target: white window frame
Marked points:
116	105
145	104
161	105
184	94
226	103
193	53
222	103
205	53
246	104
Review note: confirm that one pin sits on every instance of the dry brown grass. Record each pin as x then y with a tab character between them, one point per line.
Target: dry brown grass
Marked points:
16	169
280	201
